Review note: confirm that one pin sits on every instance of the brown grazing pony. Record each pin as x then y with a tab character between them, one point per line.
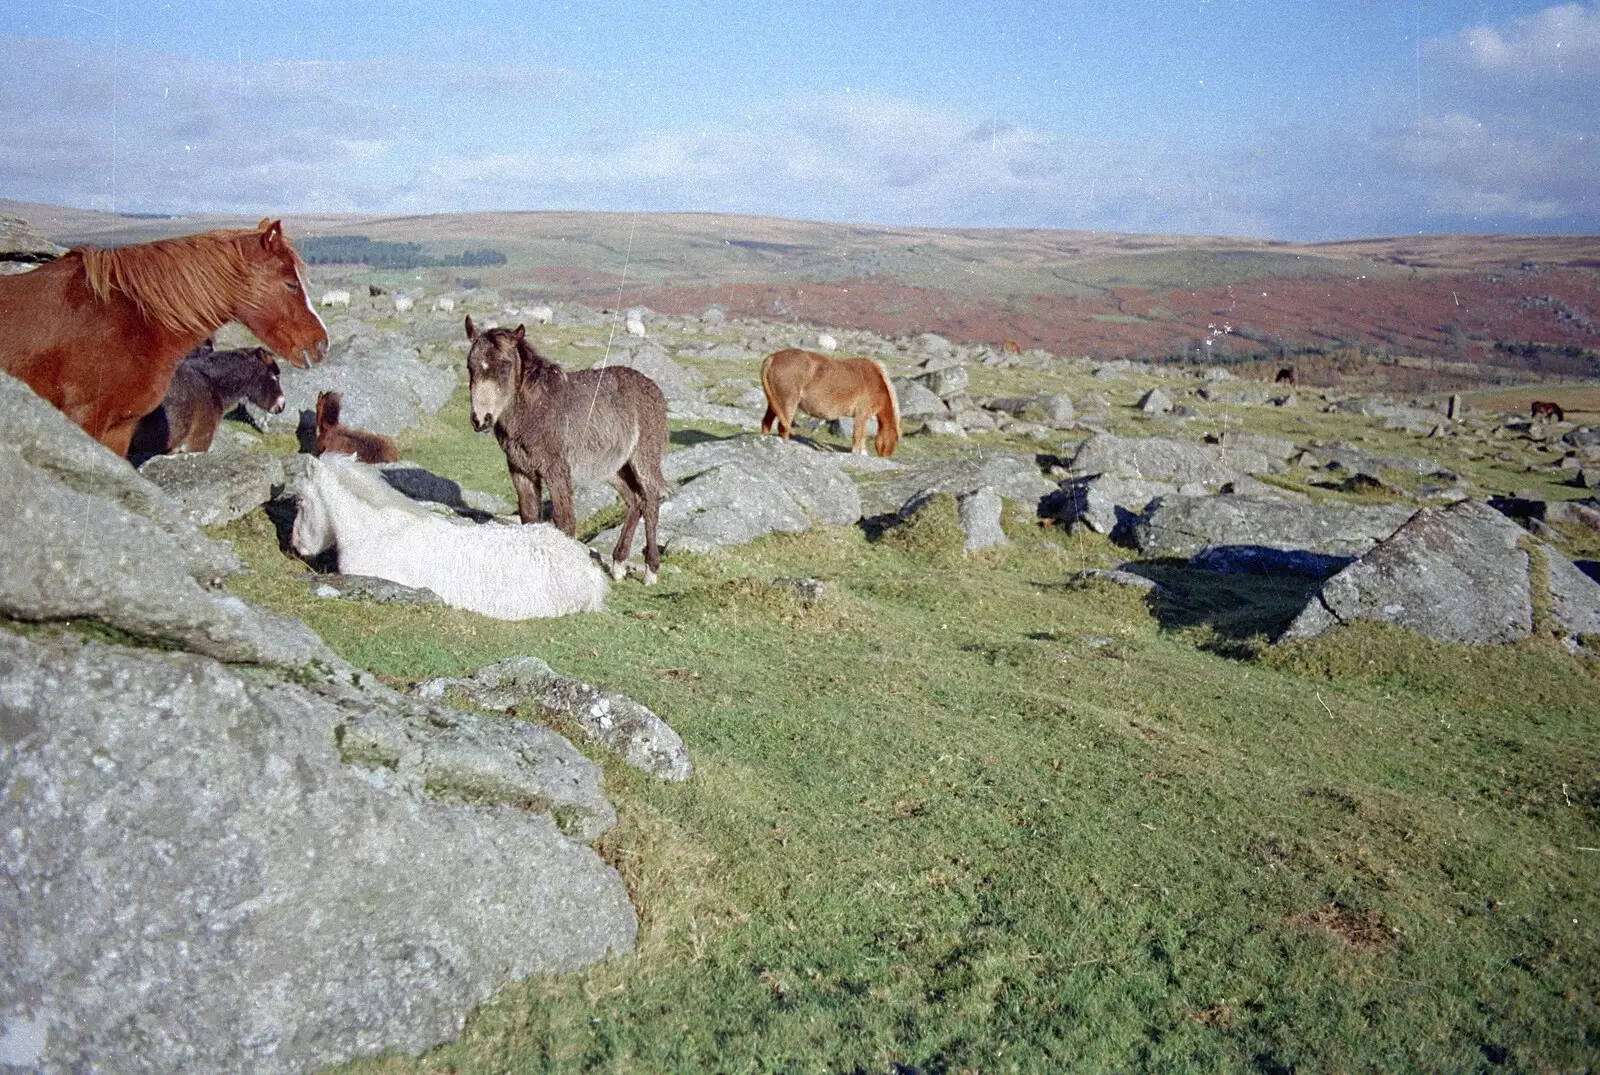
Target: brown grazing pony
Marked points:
99	333
206	386
1541	409
333	437
825	388
560	428
1285	376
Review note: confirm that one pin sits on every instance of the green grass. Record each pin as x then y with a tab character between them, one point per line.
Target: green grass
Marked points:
964	815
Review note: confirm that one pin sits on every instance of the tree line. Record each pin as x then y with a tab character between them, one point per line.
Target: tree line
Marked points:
361	250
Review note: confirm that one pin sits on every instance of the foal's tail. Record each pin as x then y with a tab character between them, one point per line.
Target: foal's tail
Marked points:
889	416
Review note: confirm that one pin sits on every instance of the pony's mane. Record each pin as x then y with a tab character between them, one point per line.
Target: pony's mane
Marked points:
186	285
367	485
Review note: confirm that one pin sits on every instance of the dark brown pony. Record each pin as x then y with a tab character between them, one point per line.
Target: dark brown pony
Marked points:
826	388
560	428
99	333
341	439
1285	376
1542	409
206	386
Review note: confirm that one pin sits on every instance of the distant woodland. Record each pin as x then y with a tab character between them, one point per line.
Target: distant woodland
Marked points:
360	250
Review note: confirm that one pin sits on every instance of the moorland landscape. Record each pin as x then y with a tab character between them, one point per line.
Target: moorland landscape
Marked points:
1207	680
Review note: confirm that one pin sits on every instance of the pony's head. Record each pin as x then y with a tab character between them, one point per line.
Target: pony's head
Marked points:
276	306
266	387
494	370
328	407
313	522
888	417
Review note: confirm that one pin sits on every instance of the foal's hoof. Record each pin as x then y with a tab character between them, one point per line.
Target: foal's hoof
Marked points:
649	577
619	569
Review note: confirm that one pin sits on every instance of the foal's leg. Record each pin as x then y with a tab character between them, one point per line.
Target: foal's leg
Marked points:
561	510
652	518
530	506
626	482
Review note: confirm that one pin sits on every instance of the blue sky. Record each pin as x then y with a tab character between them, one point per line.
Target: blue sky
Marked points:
1244	117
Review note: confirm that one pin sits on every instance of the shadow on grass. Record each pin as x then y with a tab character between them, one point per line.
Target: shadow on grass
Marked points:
1240	609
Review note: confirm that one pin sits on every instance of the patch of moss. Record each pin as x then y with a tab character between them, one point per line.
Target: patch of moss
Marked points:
931	535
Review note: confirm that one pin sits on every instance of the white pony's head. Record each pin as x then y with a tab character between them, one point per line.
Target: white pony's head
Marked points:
313	522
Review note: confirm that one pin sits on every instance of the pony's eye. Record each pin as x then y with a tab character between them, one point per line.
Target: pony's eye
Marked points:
292	285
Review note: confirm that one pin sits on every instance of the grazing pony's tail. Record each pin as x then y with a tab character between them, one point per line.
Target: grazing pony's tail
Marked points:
889	417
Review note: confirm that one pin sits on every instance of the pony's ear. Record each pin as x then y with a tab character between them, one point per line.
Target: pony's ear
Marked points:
271	233
522	333
472	330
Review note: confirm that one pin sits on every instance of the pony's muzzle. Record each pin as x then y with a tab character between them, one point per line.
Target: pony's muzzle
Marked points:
482	423
277	406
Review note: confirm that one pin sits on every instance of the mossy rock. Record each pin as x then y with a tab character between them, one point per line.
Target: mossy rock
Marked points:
931	532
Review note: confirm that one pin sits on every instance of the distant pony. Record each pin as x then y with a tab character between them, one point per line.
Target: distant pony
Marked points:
1285	376
505	572
207	385
99	333
333	437
560	428
1011	347
1541	409
827	388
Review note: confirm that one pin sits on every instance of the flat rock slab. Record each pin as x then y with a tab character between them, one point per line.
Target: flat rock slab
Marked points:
1456	575
1014	477
733	491
621	725
219	486
211	868
1166	459
1183	526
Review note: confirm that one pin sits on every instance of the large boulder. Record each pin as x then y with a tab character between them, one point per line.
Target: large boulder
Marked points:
209	869
218	486
52	445
916	400
1166	459
1461	575
228	849
384	383
733	491
676	382
1186	525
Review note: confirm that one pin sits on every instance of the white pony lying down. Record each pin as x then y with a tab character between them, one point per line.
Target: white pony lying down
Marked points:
508	572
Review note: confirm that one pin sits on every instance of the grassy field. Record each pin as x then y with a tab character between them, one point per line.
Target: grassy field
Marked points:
966	815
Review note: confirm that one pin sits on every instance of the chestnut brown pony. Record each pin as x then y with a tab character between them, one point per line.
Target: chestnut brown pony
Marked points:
1542	409
99	333
343	440
825	387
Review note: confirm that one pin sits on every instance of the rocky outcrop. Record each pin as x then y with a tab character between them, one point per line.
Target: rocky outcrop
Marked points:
226	848
384	383
1186	525
1013	477
733	491
1165	459
1459	575
214	869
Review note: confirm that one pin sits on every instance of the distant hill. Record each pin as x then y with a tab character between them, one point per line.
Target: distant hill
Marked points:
1522	302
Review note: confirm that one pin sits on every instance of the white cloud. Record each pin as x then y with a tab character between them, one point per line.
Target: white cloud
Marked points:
1558	44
